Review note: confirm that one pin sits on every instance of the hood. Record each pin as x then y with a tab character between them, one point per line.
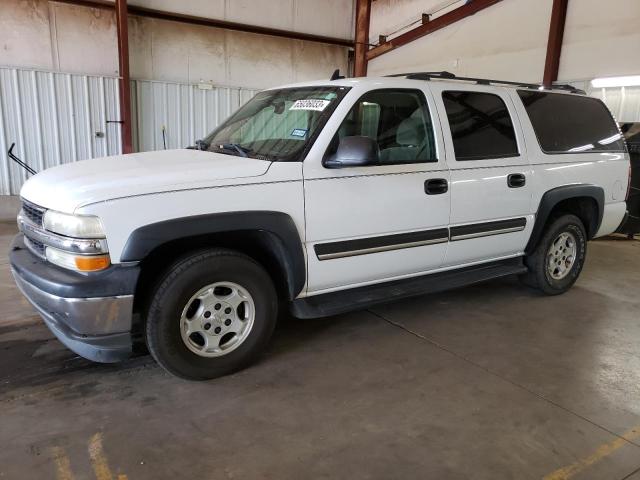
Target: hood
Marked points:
67	187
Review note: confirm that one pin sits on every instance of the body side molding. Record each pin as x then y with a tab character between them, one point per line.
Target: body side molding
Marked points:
279	228
349	248
485	229
556	195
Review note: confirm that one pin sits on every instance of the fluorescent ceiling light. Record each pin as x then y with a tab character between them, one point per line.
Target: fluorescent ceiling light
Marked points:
630	81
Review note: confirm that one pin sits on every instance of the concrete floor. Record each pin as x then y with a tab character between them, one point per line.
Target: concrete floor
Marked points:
488	382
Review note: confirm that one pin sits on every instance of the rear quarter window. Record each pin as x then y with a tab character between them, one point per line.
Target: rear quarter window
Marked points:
571	124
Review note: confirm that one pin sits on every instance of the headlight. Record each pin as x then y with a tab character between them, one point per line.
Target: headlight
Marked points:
77	226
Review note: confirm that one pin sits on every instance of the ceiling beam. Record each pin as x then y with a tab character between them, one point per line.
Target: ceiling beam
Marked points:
210	22
363	18
554	43
434	24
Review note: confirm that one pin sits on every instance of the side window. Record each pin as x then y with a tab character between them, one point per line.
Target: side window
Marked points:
571	124
398	120
481	126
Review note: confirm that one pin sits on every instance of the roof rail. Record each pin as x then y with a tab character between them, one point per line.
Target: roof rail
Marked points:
484	81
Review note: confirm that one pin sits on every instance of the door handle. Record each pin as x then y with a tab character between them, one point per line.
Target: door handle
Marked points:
436	186
516	180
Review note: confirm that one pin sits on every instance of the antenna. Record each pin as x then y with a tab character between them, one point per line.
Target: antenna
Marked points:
336	75
20	162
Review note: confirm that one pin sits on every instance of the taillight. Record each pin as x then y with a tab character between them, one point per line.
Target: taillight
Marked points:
628	184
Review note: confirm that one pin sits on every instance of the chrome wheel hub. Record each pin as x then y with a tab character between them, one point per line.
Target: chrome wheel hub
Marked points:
562	256
217	319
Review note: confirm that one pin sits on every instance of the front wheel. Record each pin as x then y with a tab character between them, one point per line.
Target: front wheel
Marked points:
558	259
212	314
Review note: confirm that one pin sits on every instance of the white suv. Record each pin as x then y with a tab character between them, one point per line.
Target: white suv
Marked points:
319	197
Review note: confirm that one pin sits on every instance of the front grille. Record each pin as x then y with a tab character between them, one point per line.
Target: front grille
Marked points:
35	246
33	212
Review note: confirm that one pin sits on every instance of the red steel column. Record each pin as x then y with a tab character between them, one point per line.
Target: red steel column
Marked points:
363	16
430	25
125	80
554	44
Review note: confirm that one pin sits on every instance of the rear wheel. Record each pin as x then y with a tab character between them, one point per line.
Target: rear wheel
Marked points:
558	259
212	314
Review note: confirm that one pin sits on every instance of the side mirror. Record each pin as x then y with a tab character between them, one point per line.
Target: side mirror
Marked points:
354	151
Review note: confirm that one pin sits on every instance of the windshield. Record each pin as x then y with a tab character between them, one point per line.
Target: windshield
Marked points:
276	124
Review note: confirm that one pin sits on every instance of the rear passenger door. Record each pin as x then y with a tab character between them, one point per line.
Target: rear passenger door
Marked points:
491	214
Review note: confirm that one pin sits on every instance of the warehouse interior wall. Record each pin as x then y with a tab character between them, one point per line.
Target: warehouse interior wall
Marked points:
508	40
59	68
58	37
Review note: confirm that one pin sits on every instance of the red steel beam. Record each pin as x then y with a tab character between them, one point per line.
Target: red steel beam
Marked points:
363	17
210	22
125	80
434	24
554	44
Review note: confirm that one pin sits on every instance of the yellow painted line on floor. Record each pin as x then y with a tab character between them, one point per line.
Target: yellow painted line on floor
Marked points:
63	465
122	476
99	459
601	452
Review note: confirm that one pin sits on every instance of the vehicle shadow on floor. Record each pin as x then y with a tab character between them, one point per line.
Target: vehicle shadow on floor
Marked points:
31	356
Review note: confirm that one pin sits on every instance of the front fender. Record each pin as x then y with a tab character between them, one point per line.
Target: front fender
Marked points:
285	243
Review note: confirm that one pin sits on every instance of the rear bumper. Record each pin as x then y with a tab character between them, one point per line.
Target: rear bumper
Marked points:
97	327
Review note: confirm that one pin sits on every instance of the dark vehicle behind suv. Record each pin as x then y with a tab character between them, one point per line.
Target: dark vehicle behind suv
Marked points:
631	133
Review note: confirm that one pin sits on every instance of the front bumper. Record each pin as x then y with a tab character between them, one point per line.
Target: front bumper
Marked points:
89	313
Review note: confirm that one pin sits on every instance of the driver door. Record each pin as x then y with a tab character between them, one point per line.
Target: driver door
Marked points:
386	220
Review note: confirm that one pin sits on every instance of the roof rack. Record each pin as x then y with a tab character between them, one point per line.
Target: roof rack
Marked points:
484	81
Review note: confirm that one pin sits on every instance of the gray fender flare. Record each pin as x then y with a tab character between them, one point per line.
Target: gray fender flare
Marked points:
554	196
278	228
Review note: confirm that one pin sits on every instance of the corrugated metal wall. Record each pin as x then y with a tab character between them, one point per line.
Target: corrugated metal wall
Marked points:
57	118
624	102
54	118
187	112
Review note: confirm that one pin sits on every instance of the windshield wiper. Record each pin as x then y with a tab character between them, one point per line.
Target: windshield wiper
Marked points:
243	151
202	145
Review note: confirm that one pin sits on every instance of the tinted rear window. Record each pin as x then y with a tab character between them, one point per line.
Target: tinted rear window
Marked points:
570	123
481	127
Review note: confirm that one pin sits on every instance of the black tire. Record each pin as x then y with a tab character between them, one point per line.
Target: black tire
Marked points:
539	275
180	282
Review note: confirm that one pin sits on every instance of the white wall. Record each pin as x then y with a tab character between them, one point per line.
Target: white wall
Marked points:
508	40
601	39
333	18
52	36
59	37
172	51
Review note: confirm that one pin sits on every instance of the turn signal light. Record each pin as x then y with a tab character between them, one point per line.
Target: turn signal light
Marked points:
93	263
79	263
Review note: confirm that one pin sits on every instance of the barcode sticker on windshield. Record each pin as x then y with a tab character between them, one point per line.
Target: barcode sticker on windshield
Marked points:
310	104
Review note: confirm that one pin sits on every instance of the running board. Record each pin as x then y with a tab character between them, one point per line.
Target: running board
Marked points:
334	303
